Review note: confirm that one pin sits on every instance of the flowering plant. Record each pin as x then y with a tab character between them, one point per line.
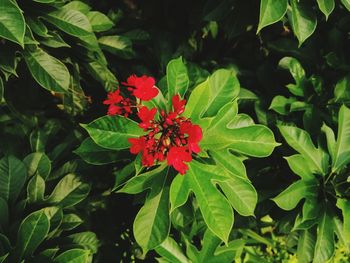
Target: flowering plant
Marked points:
201	136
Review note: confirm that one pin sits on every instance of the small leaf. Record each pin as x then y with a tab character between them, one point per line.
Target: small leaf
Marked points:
271	11
12	24
99	21
113	132
177	78
13	175
303	20
281	104
70	221
73	256
326	6
342	90
49	72
69	191
31	233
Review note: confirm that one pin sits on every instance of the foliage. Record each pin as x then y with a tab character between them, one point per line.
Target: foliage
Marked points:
266	81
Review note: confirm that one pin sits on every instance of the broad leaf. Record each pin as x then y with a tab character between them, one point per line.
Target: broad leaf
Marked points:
38	163
113	132
171	251
344	205
342	146
306	245
69	191
281	104
73	256
290	197
200	179
152	222
271	11
12	24
99	21
326	6
177	78
117	45
70	221
35	189
87	240
13	175
31	233
342	90
296	163
346	3
303	20
49	72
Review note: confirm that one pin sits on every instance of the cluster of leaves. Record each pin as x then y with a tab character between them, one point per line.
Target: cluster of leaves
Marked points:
243	198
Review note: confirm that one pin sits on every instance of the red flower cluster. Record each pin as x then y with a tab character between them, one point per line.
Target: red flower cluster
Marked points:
169	137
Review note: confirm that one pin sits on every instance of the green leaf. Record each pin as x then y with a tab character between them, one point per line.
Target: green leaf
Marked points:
1	90
230	162
35	189
13	175
113	132
177	78
31	233
324	246
281	104
326	6
152	222
91	153
303	20
117	45
12	24
70	221
342	90
73	256
201	179
271	11
346	3
70	21
224	88
254	140
49	72
87	240
342	146
4	214
69	191
99	21
296	163
171	251
39	163
290	197
298	74
344	205
306	246
54	41
78	6
102	74
300	141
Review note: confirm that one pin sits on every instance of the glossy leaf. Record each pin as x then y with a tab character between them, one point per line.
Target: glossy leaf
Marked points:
31	233
113	132
326	6
12	24
99	21
152	222
342	90
49	72
344	205
271	11
346	3
177	78
306	246
171	251
296	163
303	20
38	163
73	256
13	175
281	104
201	179
36	189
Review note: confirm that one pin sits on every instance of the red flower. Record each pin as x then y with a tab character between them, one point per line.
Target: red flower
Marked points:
147	159
113	98
177	156
178	104
146	116
137	144
144	87
194	133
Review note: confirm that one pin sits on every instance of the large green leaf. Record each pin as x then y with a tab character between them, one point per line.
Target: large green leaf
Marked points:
69	191
87	240
306	246
4	213
171	251
253	140
70	21
152	223
48	71
346	3
12	24
271	11
73	256
300	140
303	20
31	233
324	246
117	45
201	179
342	146
177	78
290	197
344	205
39	163
99	21
113	132
13	175
296	163
326	6
35	189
